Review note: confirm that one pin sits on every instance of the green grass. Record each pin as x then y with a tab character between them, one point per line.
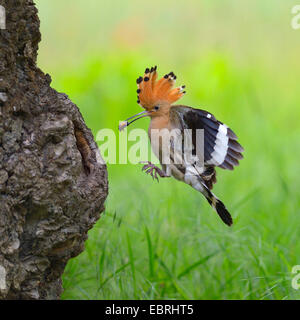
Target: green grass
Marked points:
162	240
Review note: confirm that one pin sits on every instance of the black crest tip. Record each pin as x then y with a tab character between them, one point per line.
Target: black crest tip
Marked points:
139	80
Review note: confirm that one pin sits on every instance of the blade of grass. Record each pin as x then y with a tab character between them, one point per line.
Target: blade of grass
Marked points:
172	279
113	274
195	265
101	263
150	253
131	261
84	293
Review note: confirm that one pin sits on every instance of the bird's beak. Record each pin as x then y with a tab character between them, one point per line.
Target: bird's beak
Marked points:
137	116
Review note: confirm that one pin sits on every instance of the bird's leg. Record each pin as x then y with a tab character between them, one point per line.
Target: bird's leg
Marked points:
153	170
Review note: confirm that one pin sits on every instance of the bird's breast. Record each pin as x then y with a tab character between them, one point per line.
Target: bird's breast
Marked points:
158	133
164	141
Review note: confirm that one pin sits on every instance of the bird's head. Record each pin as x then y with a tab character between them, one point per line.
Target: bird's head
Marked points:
155	96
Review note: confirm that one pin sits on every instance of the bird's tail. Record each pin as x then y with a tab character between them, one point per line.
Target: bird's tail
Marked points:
218	205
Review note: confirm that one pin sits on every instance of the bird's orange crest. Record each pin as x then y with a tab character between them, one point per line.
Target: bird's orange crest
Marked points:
150	90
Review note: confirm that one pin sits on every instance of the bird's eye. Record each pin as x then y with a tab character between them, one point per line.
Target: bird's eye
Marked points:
156	108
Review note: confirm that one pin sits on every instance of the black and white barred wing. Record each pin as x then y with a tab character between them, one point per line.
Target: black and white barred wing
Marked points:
221	147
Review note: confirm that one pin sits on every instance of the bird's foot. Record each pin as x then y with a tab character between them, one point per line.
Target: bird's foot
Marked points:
151	169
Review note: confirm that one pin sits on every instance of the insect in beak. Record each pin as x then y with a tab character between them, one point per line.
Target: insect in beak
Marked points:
139	115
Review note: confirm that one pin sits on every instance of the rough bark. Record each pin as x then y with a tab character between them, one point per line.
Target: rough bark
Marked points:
53	182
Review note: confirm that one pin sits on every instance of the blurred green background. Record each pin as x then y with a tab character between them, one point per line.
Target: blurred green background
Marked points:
240	61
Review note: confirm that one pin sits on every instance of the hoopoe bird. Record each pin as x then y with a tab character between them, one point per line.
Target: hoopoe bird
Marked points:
219	145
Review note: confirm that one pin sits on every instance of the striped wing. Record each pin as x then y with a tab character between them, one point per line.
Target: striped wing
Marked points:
221	147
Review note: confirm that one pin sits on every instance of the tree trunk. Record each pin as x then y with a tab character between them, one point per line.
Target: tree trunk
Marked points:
53	181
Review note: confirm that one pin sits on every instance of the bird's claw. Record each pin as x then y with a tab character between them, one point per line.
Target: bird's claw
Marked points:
151	169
